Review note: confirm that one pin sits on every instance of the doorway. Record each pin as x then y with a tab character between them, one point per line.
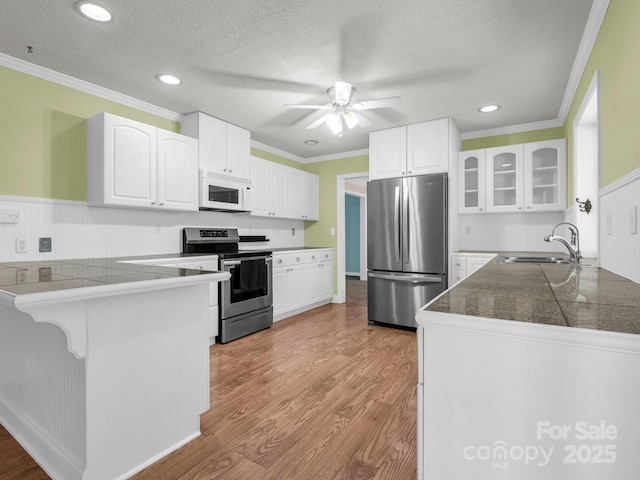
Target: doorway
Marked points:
350	186
586	169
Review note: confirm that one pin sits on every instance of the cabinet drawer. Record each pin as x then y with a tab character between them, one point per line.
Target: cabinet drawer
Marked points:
457	275
458	262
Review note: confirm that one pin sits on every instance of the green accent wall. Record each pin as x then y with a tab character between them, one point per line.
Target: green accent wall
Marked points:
615	54
272	157
317	234
42	135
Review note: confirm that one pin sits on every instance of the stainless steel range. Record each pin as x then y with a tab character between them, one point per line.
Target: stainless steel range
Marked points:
246	299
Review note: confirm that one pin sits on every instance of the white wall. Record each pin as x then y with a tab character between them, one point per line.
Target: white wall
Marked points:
619	246
509	231
78	231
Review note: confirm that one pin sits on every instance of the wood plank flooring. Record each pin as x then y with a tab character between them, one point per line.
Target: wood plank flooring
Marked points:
321	395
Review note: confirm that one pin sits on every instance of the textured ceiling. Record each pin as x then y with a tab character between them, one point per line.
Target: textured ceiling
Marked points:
242	60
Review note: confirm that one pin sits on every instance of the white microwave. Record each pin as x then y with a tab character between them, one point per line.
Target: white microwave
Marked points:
225	193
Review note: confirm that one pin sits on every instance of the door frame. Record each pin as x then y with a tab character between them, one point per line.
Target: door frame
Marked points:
340	253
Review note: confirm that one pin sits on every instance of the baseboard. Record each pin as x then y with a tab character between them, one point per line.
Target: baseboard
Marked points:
54	459
306	308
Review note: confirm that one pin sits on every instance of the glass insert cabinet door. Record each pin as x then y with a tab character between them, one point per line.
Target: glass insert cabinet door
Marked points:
505	178
471	181
545	175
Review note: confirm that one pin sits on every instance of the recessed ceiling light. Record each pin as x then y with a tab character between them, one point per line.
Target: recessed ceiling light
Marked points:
169	79
311	142
93	11
489	108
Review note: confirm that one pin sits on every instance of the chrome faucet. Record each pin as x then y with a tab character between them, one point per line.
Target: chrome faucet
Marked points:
573	246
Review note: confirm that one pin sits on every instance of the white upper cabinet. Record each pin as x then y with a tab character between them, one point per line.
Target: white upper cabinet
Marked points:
283	192
530	177
223	148
131	164
471	181
545	180
388	153
505	178
269	188
417	149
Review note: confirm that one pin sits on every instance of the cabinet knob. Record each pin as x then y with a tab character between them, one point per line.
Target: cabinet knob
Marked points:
161	204
297	259
153	203
313	257
529	207
519	208
230	170
481	208
403	172
279	260
409	172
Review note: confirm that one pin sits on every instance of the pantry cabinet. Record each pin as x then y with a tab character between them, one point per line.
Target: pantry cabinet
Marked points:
528	177
131	164
416	149
302	280
224	148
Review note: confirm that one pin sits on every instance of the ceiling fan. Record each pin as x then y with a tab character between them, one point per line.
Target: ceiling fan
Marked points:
341	108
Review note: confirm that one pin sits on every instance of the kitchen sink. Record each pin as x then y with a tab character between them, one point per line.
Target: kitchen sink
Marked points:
551	260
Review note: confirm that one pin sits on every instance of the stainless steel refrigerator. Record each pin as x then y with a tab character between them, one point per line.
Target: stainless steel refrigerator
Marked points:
406	246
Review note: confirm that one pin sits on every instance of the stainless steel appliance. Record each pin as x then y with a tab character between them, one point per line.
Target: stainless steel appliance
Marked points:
406	246
246	299
225	193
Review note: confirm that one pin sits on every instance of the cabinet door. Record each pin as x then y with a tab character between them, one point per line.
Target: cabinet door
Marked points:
260	176
296	188
278	199
177	171
505	179
475	263
545	175
310	211
388	153
298	285
471	181
312	283
238	152
428	147
212	138
325	281
129	162
281	290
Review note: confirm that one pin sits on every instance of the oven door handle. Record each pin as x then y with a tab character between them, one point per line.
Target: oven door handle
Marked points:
238	262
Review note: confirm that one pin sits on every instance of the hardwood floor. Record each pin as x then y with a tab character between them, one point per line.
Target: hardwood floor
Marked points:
321	395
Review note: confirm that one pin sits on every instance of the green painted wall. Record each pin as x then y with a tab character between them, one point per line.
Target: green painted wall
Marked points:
317	234
615	54
272	157
42	135
513	138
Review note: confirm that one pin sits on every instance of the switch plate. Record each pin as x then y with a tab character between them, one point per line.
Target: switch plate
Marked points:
633	220
21	245
45	244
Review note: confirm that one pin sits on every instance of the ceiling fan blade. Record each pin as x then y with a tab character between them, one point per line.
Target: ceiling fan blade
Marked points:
363	122
377	103
318	122
313	107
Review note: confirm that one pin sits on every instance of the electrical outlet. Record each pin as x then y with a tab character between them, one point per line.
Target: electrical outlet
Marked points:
21	245
45	244
293	231
21	276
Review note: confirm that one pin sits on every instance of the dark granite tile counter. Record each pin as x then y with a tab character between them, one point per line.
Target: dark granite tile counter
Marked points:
20	278
564	295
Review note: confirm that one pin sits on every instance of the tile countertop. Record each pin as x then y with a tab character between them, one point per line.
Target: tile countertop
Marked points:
563	295
21	278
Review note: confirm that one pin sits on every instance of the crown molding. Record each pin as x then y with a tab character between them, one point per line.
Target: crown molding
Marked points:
276	151
336	156
86	87
523	127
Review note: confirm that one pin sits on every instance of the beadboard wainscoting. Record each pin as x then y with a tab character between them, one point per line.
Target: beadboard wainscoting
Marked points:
79	231
619	233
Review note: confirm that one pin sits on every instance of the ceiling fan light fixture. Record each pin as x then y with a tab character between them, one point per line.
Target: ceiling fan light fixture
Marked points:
350	119
334	122
488	108
93	11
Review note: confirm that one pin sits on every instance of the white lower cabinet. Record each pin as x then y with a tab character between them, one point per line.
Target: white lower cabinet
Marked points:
464	264
302	280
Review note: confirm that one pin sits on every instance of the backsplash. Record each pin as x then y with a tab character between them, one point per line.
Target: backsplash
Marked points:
509	231
79	231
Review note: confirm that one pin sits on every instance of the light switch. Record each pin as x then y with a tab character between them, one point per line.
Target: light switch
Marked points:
633	220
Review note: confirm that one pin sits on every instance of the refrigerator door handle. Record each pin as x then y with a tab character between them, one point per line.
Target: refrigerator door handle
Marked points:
408	278
407	233
398	224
